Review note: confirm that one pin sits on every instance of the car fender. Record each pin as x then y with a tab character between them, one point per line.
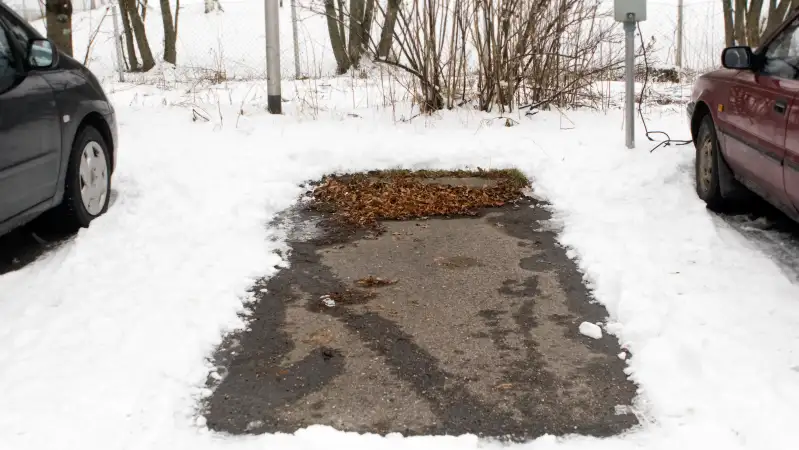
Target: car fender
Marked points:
710	90
76	99
72	121
703	93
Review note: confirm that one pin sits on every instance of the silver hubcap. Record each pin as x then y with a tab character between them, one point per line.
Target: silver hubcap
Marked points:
93	178
706	165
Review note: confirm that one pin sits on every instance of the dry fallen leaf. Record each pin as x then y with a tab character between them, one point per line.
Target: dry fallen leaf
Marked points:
362	201
372	281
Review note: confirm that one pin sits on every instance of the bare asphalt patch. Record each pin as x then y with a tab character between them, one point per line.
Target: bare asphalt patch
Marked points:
478	335
30	242
23	246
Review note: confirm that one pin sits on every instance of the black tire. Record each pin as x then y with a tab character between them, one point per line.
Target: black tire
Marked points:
72	213
708	186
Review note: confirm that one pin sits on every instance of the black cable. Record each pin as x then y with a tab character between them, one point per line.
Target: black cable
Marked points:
669	141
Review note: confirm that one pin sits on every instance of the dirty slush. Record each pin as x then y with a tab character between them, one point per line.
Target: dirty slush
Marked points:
460	318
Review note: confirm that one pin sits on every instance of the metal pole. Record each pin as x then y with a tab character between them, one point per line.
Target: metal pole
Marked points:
272	21
296	34
118	46
629	65
678	55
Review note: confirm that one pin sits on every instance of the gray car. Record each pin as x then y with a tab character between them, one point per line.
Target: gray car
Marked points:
58	132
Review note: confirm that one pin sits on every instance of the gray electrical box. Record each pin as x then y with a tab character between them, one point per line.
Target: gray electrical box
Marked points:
629	10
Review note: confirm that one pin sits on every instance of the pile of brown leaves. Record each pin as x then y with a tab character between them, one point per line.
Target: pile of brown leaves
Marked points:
362	200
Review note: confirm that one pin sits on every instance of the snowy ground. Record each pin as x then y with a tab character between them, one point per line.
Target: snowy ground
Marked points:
104	342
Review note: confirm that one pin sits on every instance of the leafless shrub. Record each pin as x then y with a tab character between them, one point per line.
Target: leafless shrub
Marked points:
540	52
93	37
491	53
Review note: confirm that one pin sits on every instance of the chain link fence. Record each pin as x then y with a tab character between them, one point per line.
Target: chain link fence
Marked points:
224	44
229	43
32	10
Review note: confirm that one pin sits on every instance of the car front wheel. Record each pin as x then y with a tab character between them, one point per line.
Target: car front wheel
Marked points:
707	168
88	183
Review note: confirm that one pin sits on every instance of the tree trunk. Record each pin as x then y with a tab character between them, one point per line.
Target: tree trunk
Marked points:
133	60
368	19
177	14
776	14
336	38
387	33
342	31
740	18
355	43
753	22
147	60
729	32
170	53
59	24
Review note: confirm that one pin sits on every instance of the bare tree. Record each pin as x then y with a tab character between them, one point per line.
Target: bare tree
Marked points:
59	24
494	53
729	33
538	52
130	45
134	26
337	37
366	26
744	23
143	6
349	30
213	5
170	35
387	31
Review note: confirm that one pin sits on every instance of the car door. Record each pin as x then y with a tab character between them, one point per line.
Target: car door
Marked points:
791	165
756	115
30	132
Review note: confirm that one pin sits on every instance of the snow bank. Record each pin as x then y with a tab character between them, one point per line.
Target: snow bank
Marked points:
103	343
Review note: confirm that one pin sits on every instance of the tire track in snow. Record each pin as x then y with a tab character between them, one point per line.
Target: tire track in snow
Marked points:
772	232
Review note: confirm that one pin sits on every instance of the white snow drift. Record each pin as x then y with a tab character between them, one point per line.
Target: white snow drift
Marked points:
103	342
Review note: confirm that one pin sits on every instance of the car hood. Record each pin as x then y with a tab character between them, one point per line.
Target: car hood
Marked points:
720	74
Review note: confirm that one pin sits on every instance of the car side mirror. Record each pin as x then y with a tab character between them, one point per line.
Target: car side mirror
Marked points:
740	58
42	54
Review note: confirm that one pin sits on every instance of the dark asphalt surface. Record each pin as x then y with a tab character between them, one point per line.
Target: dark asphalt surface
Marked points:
23	246
273	380
478	336
771	231
32	241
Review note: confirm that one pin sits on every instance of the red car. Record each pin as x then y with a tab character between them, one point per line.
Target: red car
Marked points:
745	123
